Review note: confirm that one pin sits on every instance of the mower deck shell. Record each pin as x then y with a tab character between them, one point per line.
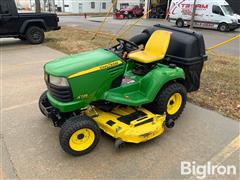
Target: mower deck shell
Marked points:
138	130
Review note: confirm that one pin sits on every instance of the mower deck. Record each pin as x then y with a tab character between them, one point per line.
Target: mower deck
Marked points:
129	124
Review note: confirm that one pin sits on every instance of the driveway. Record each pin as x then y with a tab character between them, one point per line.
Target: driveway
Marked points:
211	37
31	149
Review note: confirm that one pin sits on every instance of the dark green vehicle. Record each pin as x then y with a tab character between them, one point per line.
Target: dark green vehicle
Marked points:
129	94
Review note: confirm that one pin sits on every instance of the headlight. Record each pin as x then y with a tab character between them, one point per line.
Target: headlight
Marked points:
234	20
125	12
58	81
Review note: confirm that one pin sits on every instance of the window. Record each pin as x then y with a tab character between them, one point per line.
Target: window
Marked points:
131	7
104	5
227	10
123	5
93	5
217	10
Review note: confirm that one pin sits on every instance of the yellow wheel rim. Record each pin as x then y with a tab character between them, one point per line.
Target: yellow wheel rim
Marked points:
174	103
82	139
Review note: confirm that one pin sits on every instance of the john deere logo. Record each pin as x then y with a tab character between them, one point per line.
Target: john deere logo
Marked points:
98	68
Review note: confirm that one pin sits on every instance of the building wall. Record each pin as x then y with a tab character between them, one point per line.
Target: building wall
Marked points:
98	6
84	6
72	6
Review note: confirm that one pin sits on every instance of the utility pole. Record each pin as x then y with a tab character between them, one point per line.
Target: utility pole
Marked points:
193	14
63	9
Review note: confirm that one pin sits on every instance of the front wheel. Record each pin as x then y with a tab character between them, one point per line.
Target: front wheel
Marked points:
79	135
130	16
170	100
223	27
43	100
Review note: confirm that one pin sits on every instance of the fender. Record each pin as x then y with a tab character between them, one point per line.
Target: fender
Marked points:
152	83
27	22
146	88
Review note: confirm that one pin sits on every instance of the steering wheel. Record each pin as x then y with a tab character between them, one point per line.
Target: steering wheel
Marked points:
127	46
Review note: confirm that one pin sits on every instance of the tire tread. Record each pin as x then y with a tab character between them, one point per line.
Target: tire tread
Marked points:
159	104
73	124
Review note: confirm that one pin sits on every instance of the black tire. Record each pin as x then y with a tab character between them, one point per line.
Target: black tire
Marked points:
223	27
43	100
119	144
159	105
71	126
180	23
35	35
130	16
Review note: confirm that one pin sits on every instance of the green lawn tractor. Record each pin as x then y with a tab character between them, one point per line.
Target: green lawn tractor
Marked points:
131	91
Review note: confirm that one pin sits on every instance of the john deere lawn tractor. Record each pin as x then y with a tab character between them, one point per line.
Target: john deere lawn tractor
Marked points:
131	91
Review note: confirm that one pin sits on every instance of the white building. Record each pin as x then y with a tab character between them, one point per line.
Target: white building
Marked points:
84	6
72	6
23	3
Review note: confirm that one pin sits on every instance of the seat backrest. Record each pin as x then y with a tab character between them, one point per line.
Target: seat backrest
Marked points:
158	43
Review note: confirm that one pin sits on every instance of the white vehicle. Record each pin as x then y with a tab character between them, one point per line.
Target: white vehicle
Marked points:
213	14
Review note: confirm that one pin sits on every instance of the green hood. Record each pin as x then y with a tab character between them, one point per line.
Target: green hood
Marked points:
69	65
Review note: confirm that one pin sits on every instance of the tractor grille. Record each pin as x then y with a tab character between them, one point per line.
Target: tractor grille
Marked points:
63	94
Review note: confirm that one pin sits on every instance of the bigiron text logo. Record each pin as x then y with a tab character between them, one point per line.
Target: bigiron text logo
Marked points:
202	171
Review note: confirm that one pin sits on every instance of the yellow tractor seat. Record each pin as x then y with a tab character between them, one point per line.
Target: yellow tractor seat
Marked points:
155	49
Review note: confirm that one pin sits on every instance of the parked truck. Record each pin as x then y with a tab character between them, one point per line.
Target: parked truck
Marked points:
214	14
129	12
25	26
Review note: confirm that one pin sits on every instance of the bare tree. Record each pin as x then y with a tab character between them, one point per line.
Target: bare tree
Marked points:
193	14
114	4
49	6
53	6
37	6
44	5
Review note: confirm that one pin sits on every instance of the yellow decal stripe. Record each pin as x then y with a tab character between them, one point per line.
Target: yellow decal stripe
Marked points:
98	68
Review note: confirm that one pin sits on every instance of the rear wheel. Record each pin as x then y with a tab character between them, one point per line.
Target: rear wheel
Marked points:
180	23
223	27
171	99
79	135
35	35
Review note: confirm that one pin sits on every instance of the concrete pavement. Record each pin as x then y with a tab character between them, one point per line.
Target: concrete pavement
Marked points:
31	149
212	37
